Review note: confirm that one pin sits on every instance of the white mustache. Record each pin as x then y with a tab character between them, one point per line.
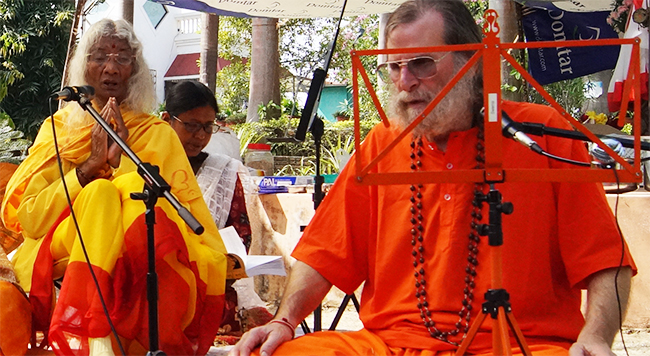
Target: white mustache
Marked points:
403	98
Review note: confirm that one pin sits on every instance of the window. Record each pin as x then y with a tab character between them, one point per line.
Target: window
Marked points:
156	12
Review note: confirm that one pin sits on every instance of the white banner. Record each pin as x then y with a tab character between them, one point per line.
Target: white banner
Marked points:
294	8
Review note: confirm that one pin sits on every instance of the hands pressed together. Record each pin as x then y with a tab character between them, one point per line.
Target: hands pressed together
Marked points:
104	154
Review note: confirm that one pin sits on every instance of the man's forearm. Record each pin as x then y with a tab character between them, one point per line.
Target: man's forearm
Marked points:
304	291
602	320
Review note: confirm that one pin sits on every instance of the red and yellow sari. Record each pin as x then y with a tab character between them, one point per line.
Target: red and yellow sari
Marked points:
191	268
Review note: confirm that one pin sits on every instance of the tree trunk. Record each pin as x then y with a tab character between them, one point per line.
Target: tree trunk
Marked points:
127	10
265	67
209	50
72	41
509	32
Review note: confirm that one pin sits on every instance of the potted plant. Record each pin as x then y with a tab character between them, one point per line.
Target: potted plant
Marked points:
341	116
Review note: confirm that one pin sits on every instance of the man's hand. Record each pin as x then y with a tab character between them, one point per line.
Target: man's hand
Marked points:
304	291
593	348
602	319
268	336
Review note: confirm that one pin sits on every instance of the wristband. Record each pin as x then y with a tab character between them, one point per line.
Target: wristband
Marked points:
286	323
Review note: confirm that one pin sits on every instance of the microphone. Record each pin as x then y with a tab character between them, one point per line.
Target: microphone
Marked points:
511	129
311	105
74	93
602	156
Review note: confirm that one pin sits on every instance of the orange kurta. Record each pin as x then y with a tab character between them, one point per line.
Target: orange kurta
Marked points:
558	235
191	268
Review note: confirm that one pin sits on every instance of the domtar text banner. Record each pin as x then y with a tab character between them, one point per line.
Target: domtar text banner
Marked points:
549	65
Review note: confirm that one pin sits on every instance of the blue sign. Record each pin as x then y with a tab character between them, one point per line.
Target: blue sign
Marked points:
549	65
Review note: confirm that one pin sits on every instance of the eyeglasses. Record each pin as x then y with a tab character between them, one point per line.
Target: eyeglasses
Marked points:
194	127
100	58
421	67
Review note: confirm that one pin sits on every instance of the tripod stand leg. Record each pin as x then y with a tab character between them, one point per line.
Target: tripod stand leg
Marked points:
305	327
519	336
500	337
353	297
339	312
462	349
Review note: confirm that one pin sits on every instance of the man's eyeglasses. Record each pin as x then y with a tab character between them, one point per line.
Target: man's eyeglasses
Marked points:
194	127
421	67
100	58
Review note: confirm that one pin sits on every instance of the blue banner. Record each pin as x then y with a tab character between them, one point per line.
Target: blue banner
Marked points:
549	65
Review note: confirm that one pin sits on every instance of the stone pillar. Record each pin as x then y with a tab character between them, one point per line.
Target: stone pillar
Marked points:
265	66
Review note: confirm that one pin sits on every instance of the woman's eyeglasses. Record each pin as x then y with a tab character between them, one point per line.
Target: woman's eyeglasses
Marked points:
194	127
421	67
100	58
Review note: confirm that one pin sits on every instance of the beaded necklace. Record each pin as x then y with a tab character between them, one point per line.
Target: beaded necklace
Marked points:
417	238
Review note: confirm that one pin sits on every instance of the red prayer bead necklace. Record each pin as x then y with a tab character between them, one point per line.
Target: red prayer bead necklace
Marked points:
417	238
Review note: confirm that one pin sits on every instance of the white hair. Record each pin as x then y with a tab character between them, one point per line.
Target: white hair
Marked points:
141	94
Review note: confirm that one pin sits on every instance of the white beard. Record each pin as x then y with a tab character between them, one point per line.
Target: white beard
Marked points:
453	113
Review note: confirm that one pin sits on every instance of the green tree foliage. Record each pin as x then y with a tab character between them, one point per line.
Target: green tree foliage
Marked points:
235	40
304	46
232	87
33	47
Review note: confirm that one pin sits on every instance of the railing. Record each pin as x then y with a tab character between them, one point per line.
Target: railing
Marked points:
188	24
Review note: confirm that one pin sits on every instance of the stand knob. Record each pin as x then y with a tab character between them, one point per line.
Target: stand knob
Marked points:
507	208
483	229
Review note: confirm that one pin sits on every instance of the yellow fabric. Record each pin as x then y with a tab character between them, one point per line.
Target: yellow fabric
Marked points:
35	197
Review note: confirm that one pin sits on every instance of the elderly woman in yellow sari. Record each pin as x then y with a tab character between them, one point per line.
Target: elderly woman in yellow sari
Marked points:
112	227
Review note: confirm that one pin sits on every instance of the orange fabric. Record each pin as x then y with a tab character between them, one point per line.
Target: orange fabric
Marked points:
9	240
15	320
558	235
363	342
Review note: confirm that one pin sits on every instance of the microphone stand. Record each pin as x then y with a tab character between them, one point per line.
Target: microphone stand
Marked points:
155	187
310	121
541	130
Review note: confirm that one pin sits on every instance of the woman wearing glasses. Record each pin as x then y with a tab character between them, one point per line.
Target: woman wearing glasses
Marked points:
111	226
190	110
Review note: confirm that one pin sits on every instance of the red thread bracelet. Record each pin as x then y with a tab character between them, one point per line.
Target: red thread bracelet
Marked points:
286	323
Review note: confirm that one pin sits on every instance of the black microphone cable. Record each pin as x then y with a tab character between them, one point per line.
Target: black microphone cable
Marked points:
81	240
620	263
